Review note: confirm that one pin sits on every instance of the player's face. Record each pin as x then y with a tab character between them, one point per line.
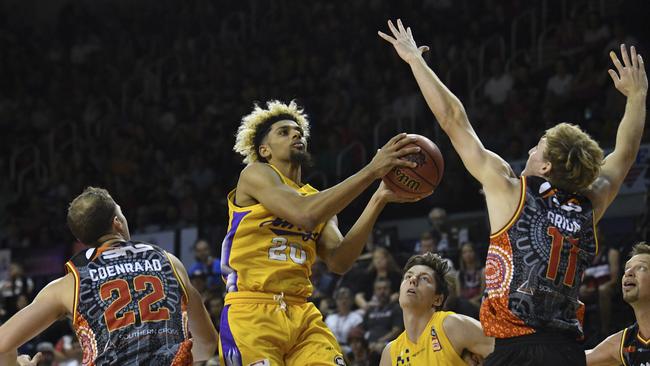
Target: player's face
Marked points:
418	288
636	279
536	164
286	142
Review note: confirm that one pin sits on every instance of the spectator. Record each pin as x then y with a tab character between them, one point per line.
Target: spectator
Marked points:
383	266
214	305
16	285
470	281
499	84
344	319
206	264
383	319
360	354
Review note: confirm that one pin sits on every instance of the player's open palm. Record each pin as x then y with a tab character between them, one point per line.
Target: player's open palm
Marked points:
389	155
630	77
403	41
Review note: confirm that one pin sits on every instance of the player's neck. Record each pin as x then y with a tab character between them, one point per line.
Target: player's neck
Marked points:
110	239
290	170
415	320
642	314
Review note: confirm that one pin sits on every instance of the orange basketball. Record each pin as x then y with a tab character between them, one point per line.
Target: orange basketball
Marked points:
423	179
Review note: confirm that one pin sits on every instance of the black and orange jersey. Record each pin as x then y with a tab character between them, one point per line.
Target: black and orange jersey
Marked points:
130	306
634	350
536	262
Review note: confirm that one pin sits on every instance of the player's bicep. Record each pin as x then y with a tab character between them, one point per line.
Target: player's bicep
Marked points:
606	353
263	184
329	240
484	165
47	307
466	333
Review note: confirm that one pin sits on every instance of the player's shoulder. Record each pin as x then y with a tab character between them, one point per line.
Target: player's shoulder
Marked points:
256	172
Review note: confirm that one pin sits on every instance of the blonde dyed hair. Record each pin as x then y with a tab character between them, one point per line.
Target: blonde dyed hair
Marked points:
575	157
251	125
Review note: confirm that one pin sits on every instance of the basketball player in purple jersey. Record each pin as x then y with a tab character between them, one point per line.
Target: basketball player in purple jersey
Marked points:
131	303
542	221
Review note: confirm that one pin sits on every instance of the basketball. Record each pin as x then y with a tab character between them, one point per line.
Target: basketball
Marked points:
423	179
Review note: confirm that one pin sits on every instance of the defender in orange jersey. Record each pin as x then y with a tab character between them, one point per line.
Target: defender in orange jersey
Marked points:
542	221
131	303
278	225
433	337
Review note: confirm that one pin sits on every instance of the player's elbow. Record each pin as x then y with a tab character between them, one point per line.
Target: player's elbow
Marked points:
338	267
5	347
305	221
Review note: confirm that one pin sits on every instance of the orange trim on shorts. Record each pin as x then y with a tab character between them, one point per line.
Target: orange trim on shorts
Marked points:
522	200
72	269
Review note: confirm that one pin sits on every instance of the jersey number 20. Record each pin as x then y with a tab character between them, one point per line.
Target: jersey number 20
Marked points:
121	287
278	251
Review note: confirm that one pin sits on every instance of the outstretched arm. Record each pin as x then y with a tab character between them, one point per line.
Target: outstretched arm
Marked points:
340	253
631	80
264	185
606	353
466	333
487	167
53	302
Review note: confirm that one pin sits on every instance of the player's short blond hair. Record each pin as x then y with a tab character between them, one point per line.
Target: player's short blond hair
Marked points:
255	125
575	157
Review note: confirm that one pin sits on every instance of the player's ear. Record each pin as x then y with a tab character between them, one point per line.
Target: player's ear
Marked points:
437	300
118	225
546	168
264	151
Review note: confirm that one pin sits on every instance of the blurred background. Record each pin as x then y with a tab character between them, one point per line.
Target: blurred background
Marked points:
144	97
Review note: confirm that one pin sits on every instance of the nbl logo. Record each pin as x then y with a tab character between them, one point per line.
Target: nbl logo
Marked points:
122	251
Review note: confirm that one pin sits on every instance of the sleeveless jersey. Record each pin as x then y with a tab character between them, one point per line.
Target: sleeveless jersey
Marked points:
431	349
129	307
265	253
535	264
634	350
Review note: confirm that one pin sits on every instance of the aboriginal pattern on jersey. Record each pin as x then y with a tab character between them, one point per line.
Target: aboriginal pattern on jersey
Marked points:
634	350
535	264
130	306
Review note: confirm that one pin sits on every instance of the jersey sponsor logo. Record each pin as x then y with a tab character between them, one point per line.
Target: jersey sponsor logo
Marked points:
122	251
105	272
435	342
339	361
282	227
571	205
404	358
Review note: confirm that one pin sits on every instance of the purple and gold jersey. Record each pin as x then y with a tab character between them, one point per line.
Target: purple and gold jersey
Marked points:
264	253
535	264
130	306
634	350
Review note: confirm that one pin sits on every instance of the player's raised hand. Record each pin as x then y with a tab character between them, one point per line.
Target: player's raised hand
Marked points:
25	360
403	41
630	77
387	195
389	155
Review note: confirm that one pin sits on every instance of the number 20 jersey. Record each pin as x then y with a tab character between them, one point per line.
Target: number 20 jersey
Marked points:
265	253
535	264
130	307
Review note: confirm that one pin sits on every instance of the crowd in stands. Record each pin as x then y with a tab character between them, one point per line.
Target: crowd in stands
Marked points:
143	98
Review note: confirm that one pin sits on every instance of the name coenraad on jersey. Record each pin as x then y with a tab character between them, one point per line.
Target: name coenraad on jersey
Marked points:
103	272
